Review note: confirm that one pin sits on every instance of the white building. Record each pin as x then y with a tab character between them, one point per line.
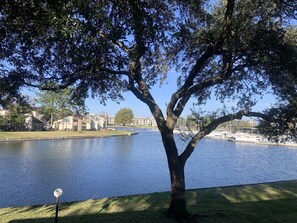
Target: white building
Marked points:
110	121
76	123
97	121
3	112
34	121
137	121
144	122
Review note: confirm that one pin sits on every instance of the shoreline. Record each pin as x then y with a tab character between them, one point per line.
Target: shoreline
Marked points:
188	191
122	133
65	137
241	137
259	143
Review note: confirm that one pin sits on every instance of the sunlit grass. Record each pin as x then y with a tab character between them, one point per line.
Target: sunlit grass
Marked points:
266	203
59	134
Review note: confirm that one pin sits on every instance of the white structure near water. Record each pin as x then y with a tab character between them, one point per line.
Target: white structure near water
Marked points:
34	121
79	123
237	136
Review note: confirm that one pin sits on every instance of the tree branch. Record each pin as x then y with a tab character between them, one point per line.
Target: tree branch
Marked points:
200	87
150	102
142	91
118	43
212	126
124	72
200	63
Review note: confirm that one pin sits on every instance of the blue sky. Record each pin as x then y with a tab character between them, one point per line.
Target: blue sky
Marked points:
162	95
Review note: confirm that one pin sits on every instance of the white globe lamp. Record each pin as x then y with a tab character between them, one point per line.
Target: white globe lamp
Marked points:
57	193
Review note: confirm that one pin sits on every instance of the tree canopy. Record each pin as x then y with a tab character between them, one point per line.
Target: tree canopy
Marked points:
96	46
15	118
57	105
230	50
124	116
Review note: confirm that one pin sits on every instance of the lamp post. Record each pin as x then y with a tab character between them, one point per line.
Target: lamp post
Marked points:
57	193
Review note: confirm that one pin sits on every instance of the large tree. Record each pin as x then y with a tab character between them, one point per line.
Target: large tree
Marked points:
228	50
15	117
124	116
55	105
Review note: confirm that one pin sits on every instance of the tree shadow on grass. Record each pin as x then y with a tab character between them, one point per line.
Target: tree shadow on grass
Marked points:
142	208
272	211
263	203
27	210
121	217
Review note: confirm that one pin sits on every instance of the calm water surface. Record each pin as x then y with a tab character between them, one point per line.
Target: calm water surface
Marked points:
105	167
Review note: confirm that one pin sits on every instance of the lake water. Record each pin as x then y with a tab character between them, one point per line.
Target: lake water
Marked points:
106	167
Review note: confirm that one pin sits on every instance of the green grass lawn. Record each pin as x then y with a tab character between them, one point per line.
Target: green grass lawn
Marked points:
263	203
59	134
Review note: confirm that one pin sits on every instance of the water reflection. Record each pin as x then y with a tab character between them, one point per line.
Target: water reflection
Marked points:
104	167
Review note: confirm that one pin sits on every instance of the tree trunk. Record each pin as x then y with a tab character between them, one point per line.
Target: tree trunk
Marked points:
52	119
177	208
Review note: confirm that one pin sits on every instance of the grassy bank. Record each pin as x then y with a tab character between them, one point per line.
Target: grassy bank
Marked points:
58	134
261	203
